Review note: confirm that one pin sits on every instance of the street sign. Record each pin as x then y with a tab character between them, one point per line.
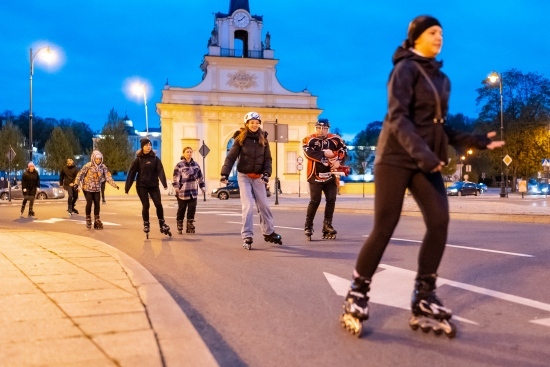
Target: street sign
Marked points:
204	150
11	154
507	160
299	159
299	167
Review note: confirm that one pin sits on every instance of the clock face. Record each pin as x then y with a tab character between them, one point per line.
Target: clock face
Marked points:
241	19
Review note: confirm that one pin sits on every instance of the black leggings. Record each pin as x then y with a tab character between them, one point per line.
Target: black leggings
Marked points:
144	193
190	205
428	191
316	189
92	197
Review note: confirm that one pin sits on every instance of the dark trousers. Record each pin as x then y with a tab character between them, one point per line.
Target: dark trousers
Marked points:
428	190
190	205
144	193
92	197
72	197
315	191
30	198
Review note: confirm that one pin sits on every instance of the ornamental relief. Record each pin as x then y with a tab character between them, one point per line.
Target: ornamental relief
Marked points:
241	80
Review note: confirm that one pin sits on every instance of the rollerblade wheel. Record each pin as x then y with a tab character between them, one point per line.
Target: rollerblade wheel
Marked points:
247	246
451	334
353	325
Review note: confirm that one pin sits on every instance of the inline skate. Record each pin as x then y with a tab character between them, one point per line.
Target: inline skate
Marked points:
31	213
179	224
328	231
97	223
22	211
88	222
308	229
164	228
273	238
75	211
247	243
356	307
146	228
190	226
428	310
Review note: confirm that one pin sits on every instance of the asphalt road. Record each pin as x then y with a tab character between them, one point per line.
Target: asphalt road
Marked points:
279	305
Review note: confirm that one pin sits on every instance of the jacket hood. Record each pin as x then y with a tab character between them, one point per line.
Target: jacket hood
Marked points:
403	53
97	154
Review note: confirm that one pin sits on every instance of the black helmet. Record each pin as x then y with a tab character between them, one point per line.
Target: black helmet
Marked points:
322	123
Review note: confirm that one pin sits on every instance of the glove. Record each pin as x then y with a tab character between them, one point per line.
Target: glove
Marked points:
265	178
223	179
24	190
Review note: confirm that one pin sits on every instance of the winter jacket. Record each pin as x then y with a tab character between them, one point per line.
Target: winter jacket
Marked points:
90	176
148	169
318	166
67	176
30	182
253	158
187	179
413	134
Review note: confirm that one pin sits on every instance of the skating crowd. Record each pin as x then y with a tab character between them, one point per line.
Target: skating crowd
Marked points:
411	151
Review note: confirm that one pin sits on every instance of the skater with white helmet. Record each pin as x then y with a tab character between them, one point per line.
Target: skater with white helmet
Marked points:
251	148
89	179
411	151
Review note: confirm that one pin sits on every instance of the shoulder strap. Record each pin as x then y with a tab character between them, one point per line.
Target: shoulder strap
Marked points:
438	115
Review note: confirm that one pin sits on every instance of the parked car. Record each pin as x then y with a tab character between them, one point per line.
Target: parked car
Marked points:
462	188
232	191
47	190
481	187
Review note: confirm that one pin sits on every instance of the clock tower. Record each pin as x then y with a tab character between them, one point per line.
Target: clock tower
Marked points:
239	76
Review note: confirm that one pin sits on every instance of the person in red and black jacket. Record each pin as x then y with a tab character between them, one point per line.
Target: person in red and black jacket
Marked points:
325	152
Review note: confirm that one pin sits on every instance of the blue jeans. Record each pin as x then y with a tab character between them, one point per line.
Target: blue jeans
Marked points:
253	190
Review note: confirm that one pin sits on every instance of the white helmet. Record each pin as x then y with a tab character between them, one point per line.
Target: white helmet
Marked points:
252	116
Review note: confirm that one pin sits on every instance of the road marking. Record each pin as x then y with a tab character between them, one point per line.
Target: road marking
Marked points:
258	224
57	220
215	212
464	247
392	287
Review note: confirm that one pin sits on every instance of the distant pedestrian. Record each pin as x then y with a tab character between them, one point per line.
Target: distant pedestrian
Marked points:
14	181
3	183
147	170
66	180
89	178
411	152
187	180
30	182
251	149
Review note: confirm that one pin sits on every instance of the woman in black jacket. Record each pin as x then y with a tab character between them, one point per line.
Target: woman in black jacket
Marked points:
251	148
411	151
146	170
30	182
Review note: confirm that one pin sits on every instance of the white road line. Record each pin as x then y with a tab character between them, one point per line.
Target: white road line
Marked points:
257	224
466	247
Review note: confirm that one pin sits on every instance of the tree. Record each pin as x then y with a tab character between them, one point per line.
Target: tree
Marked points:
57	149
114	144
363	142
526	111
11	136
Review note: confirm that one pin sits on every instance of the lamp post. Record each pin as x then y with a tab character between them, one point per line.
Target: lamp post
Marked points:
140	88
493	77
32	56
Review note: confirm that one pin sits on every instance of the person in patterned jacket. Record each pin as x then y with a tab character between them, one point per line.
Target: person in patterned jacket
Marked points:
89	179
324	152
188	178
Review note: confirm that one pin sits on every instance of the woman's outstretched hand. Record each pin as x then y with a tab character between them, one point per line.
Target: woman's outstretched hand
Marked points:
496	143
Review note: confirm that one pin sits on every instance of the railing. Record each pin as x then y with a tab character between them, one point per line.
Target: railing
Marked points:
229	52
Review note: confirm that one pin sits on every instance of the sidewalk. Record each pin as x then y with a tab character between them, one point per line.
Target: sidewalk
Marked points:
68	300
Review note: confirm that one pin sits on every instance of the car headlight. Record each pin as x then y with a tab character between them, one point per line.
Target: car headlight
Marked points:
214	191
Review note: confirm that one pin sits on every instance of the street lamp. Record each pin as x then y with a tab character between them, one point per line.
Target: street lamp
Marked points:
493	78
32	56
139	88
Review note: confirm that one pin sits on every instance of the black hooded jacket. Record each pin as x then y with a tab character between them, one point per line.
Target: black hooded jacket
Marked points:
30	182
253	157
413	134
67	176
148	169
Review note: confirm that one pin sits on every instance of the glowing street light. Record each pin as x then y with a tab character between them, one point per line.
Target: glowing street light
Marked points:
495	77
48	57
139	89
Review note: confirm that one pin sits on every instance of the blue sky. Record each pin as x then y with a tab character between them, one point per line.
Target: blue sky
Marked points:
320	45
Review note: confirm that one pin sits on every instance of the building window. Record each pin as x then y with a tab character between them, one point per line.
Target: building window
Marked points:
291	162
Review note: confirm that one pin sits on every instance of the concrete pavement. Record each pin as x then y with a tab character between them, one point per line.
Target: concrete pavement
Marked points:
68	300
